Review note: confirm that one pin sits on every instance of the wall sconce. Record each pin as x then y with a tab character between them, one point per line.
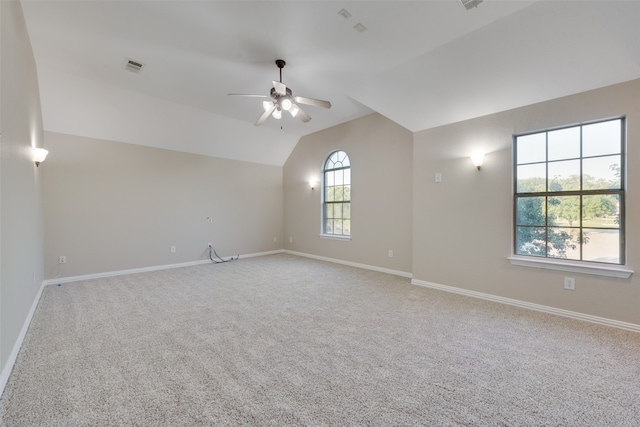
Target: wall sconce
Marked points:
39	154
312	183
477	159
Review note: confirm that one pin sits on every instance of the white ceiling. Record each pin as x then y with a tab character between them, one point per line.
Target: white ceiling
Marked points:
419	63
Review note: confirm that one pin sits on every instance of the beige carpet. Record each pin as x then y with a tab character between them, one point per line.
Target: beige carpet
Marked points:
282	340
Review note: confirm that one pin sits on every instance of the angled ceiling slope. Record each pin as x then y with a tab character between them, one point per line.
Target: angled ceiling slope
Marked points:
421	64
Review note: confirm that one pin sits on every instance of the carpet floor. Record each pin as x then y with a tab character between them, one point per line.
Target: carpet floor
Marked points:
286	341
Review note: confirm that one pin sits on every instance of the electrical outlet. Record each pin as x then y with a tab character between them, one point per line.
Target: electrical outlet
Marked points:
62	259
390	253
570	283
210	245
173	249
438	177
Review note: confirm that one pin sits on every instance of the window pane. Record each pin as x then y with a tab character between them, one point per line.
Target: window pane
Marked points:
330	196
347	193
564	144
564	243
601	246
346	224
329	179
602	138
601	210
531	148
328	210
564	210
577	211
564	176
337	181
346	211
601	173
337	210
532	178
530	211
334	158
328	226
531	241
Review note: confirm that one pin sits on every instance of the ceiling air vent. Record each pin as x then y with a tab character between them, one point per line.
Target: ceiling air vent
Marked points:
133	66
470	4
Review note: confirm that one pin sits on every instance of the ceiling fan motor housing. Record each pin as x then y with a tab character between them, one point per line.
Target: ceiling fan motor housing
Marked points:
282	99
279	97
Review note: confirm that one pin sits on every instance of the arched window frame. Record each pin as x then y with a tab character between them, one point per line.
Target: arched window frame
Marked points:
336	196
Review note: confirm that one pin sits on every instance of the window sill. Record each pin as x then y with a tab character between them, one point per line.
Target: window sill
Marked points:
575	267
335	237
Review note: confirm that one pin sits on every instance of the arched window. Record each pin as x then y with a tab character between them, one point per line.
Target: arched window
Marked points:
336	195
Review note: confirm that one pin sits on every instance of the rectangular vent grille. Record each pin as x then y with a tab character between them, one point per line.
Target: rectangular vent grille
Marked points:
133	66
470	4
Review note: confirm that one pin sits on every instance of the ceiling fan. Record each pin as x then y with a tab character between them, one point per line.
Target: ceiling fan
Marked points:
281	99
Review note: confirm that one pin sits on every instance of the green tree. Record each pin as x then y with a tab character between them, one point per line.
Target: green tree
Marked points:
533	237
598	206
564	209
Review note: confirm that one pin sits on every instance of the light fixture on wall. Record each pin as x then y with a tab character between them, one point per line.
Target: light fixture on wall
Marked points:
477	159
313	183
39	154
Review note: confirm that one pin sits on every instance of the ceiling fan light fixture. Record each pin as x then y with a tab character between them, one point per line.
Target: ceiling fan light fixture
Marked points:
281	98
286	104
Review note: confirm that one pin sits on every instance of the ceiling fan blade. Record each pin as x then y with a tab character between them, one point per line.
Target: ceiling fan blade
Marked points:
265	115
298	112
313	102
249	95
281	88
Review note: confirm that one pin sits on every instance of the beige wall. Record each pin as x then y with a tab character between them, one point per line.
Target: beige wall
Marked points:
113	206
462	227
21	217
380	152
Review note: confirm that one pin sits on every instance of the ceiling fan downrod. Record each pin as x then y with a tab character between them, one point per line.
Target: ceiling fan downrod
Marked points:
280	63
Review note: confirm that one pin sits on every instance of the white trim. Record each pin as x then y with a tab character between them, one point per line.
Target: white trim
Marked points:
352	264
531	306
574	267
335	237
8	366
147	269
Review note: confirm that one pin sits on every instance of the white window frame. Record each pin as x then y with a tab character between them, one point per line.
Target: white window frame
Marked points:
576	266
323	202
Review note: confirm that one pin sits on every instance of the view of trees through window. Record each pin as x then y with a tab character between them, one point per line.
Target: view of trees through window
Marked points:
336	205
569	193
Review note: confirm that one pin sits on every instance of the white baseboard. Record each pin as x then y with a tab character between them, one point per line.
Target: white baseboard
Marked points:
352	264
8	367
147	269
531	306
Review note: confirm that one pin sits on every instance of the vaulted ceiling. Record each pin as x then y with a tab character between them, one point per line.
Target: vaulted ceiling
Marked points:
419	63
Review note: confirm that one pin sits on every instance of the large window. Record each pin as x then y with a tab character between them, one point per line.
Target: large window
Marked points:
569	193
336	195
